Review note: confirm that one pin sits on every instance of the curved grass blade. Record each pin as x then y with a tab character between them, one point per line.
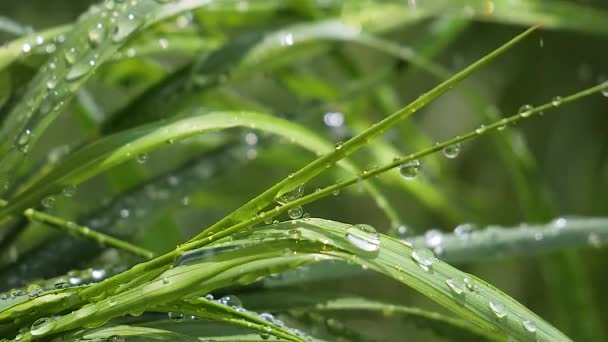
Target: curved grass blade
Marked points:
320	164
128	332
110	151
288	245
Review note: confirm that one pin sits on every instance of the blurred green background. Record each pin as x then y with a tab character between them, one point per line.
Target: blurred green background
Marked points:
568	146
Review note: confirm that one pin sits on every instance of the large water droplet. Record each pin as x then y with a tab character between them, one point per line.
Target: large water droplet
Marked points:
232	301
457	285
126	25
424	257
79	69
525	111
464	231
529	326
291	195
176	316
97	34
364	237
433	238
295	212
498	309
451	151
410	169
42	326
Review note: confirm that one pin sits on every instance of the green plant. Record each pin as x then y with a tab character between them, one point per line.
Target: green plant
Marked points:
167	115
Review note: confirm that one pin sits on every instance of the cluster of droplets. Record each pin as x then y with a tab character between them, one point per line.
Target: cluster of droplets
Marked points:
297	211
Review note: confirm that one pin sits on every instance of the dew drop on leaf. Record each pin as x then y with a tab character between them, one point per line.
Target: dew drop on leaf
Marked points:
556	101
176	316
70	55
424	257
451	151
42	326
410	169
525	111
295	212
498	309
364	237
232	301
529	326
125	26
457	285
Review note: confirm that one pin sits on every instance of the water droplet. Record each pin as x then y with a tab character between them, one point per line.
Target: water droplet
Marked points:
142	158
525	111
291	195
176	316
470	284
23	141
456	285
80	69
48	202
410	169
451	151
69	191
403	230
295	212
164	43
605	91
295	234
594	240
339	145
51	83
124	213
26	47
481	129
433	238
498	309
232	301
464	231
287	39
126	25
42	326
333	119
424	257
364	237
97	34
70	55
556	101
529	326
115	338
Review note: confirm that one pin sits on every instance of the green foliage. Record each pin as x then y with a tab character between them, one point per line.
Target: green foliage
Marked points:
174	146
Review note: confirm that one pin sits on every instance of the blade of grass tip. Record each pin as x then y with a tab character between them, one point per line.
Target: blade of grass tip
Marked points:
317	166
72	64
86	232
491	242
193	244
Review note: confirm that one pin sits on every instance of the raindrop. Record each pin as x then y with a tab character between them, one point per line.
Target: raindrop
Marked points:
232	301
556	101
79	69
339	145
70	55
51	83
176	316
125	27
525	111
23	141
333	119
42	326
295	212
142	158
26	47
463	231
364	237
433	238
403	230
480	129
498	309
69	191
469	283
48	202
451	151
424	257
410	169
97	34
456	285
295	234
287	39
291	195
251	139
529	326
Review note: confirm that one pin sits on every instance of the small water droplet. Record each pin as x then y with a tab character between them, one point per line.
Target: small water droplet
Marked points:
23	141
295	212
97	34
176	316
464	231
339	145
42	326
403	230
529	326
126	25
70	55
48	202
80	69
433	238
457	285
525	110
333	119
498	309
142	158
232	301
364	237
424	257
451	151
470	284
481	129
26	47
594	240
287	39
69	191
291	195
51	83
556	101
295	234
116	338
410	169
